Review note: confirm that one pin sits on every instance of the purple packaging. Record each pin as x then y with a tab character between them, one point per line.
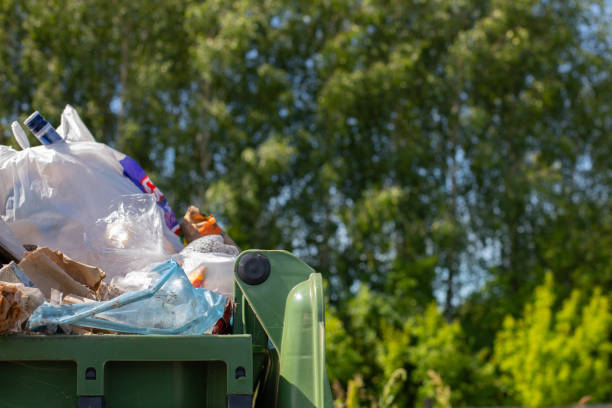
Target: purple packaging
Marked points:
133	171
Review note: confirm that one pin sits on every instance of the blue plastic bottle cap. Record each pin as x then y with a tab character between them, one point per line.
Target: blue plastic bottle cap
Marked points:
35	122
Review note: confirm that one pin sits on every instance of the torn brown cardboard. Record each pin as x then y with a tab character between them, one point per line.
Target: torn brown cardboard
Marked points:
14	274
53	270
88	275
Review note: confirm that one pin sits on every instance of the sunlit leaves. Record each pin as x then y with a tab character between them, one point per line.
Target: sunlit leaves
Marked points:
550	357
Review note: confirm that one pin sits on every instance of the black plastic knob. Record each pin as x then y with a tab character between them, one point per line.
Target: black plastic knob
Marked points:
254	268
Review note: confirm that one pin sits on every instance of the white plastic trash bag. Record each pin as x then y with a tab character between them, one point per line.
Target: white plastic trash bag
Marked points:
72	128
53	195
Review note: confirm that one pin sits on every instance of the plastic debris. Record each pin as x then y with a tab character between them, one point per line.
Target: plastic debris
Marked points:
10	248
56	297
96	206
133	171
72	129
197	276
216	257
42	129
20	135
129	236
195	225
171	305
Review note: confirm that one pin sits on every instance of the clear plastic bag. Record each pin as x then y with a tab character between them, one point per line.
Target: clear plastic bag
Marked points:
209	260
168	305
129	237
9	245
218	274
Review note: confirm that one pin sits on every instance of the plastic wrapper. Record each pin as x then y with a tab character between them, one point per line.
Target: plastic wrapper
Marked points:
10	248
128	237
72	128
209	263
218	275
169	305
195	225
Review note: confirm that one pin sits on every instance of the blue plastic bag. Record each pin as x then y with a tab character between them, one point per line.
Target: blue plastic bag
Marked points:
171	305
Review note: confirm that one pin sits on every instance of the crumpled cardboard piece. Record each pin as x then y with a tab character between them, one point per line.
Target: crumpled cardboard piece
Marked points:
88	275
53	270
12	273
17	302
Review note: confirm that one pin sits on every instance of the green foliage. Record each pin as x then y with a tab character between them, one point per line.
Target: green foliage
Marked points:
395	357
441	391
425	345
551	357
392	389
341	354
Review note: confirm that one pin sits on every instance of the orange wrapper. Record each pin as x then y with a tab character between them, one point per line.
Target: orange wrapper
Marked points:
197	277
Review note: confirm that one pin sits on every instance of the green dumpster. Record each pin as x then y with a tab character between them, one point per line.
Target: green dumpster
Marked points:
274	358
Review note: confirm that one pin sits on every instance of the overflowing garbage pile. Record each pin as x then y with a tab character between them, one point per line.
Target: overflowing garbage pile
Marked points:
89	244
